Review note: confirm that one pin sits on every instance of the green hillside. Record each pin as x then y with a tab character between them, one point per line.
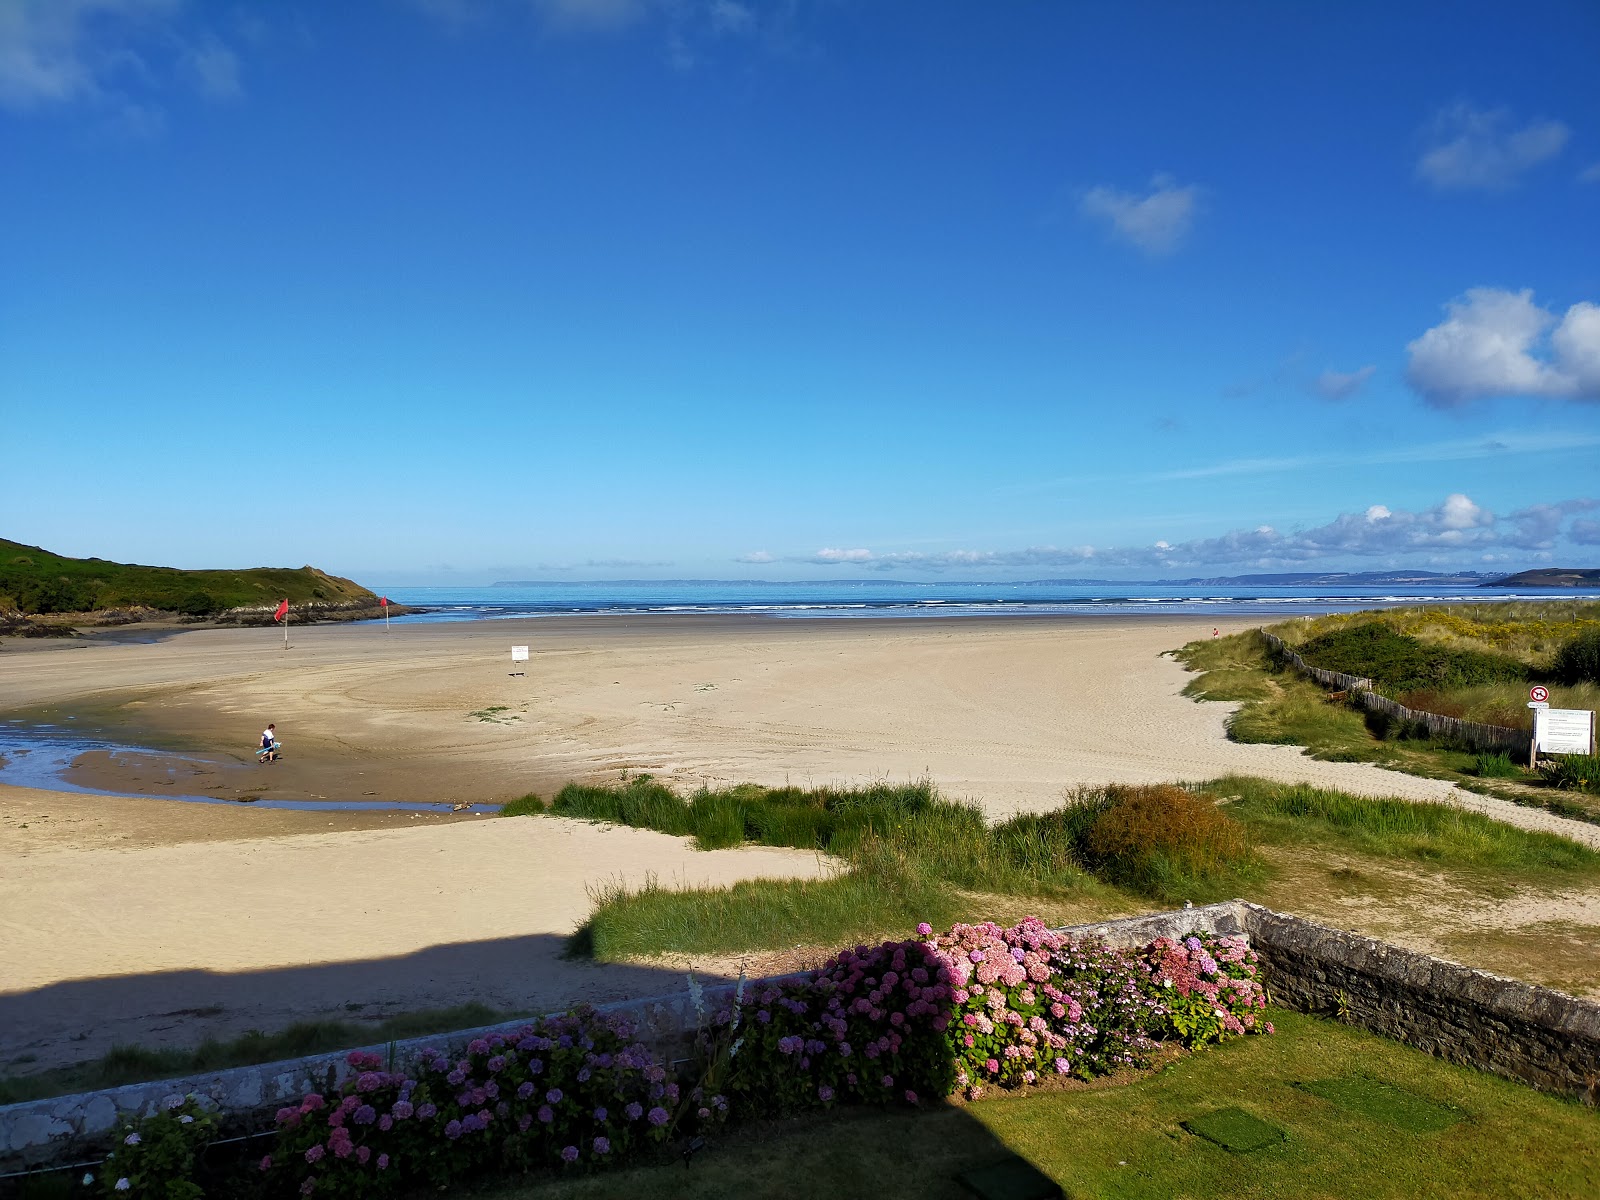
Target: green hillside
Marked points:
36	581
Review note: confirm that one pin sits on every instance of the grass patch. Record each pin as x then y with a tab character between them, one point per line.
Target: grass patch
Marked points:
1127	1141
1532	632
1437	834
1281	707
530	805
1397	662
1385	1103
906	855
135	1064
1235	1130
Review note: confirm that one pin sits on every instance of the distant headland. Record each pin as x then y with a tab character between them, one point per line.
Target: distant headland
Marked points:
1551	577
44	594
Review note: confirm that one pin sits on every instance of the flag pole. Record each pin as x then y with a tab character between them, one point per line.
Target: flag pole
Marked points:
286	625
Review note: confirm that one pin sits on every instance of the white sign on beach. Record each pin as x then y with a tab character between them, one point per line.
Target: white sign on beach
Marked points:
1564	730
519	654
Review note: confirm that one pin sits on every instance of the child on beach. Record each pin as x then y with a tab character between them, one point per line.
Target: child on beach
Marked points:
269	745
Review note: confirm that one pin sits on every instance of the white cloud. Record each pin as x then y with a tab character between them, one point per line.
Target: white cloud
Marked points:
217	69
1590	174
1156	223
116	54
1493	343
756	556
1340	385
590	16
1454	528
53	51
1472	148
727	16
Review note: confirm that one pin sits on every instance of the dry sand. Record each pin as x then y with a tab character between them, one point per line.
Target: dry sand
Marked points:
137	941
114	912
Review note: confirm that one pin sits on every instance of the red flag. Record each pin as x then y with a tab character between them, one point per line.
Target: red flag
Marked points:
383	600
283	611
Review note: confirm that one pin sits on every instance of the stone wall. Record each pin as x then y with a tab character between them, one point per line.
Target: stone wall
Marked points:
1532	1034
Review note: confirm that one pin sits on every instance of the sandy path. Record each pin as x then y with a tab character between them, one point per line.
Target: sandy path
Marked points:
199	938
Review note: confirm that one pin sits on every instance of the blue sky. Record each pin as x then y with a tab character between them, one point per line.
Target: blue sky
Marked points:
457	290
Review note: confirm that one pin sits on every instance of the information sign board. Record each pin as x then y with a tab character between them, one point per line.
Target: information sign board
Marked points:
519	654
1563	730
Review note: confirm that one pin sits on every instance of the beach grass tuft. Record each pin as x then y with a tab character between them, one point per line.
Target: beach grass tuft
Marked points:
1438	834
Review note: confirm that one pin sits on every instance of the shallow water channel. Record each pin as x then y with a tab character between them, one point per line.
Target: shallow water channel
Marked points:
39	755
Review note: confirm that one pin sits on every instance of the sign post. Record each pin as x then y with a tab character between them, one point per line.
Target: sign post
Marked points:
1538	700
1563	730
519	654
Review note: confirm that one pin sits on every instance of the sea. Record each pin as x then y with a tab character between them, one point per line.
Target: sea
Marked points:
844	599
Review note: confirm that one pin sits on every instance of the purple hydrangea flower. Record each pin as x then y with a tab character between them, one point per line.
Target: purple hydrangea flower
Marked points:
658	1116
569	1154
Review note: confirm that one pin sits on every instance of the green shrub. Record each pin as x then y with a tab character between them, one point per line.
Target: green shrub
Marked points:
155	1155
523	806
1397	662
1575	772
1496	766
1161	841
1578	661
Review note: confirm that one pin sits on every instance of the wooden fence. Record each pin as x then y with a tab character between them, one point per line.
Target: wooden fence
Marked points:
1472	734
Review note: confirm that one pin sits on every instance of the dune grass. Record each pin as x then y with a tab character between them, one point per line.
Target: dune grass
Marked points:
135	1064
1281	707
905	854
1438	834
1128	1140
1531	631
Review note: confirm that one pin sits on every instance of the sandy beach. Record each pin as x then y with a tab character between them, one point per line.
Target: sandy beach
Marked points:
158	921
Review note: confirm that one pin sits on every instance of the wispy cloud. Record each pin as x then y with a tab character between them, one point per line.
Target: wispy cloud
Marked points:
603	564
1485	149
1457	529
590	16
1156	221
1456	450
118	55
1341	385
216	68
1495	343
756	556
1590	174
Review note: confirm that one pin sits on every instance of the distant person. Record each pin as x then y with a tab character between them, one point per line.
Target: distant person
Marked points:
269	745
1215	632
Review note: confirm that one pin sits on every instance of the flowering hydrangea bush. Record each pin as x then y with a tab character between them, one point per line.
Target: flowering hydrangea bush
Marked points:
155	1155
1030	1003
868	1026
1210	986
563	1091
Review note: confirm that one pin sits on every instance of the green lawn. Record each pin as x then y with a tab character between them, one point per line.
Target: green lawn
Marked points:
1438	1131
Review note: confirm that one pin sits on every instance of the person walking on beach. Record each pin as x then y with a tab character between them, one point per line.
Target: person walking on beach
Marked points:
269	745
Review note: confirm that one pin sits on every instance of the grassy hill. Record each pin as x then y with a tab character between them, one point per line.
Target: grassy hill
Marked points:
35	581
1551	577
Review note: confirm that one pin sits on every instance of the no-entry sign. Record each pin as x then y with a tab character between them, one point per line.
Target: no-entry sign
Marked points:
1538	693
